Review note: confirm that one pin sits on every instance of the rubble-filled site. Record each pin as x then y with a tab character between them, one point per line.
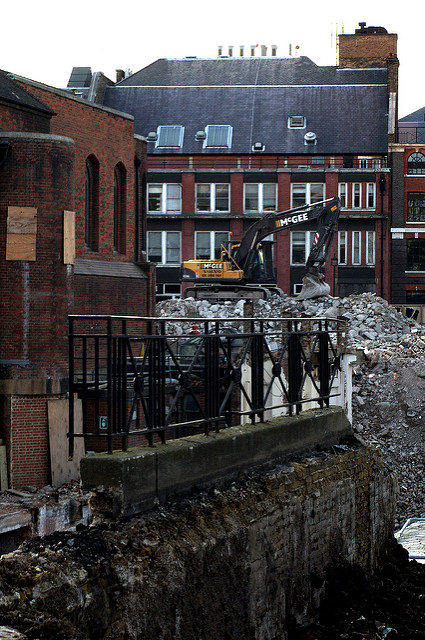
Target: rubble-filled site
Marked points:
388	381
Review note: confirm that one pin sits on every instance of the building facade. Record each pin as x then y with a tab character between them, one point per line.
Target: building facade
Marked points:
229	139
71	241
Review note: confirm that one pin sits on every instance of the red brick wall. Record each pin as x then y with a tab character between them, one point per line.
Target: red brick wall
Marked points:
366	50
104	296
38	173
110	138
13	118
28	442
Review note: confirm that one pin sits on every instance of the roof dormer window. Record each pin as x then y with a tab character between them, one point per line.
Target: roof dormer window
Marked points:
218	136
296	122
170	136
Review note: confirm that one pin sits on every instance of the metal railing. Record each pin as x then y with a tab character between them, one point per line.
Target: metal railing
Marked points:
144	380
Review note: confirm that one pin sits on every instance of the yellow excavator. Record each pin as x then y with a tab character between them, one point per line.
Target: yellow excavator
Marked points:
245	269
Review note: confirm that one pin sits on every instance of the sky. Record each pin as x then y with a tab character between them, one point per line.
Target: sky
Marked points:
43	40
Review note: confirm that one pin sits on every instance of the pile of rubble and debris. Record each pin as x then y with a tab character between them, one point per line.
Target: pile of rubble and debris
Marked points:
389	379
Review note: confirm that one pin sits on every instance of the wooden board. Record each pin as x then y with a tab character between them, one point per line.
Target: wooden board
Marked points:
21	239
64	470
69	237
21	246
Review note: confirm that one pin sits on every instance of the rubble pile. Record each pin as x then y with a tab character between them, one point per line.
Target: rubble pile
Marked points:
371	321
388	382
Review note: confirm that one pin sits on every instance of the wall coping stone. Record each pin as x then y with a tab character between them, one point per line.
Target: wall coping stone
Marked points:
134	481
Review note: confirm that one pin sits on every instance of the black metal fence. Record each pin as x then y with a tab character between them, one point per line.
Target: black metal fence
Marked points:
151	379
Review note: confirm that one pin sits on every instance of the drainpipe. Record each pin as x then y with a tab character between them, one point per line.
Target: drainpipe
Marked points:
4	152
137	163
382	184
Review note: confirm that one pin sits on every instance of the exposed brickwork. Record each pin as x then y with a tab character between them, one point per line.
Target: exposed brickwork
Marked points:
13	118
110	139
363	50
248	561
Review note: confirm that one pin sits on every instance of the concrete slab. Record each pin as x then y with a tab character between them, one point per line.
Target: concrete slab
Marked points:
412	537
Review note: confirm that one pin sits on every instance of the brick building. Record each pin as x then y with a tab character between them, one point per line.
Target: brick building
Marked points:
233	137
72	240
408	206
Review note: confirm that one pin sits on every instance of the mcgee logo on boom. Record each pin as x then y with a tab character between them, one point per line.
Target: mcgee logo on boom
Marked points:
299	217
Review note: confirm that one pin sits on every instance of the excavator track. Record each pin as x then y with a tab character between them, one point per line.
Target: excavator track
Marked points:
230	292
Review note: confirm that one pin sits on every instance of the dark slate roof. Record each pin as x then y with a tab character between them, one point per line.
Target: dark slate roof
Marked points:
248	71
12	92
347	118
107	269
416	116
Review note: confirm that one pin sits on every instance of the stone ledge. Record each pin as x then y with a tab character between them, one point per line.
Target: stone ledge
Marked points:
130	482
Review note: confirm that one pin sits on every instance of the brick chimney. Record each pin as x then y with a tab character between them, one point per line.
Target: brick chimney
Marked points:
373	47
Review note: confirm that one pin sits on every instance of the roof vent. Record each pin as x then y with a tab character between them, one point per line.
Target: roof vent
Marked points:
258	146
200	135
152	136
310	138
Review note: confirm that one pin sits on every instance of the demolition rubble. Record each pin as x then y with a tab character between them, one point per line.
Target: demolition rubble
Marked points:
388	380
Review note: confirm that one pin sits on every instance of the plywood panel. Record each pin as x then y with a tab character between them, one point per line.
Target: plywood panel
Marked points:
69	237
64	470
21	236
21	246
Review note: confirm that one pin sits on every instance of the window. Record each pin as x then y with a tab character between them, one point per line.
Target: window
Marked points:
416	254
91	210
299	249
342	247
167	291
164	198
416	163
164	247
342	194
318	160
363	163
357	195
119	209
260	197
296	122
218	136
212	197
356	248
170	136
370	247
416	207
370	197
376	163
208	244
307	193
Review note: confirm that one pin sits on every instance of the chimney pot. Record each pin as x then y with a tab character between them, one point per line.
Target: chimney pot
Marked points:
230	51
263	50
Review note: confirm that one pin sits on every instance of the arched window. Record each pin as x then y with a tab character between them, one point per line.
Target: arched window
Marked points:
91	226
119	208
416	163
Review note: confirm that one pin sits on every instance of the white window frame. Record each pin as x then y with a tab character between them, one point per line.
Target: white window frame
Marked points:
212	242
163	294
340	185
353	195
212	208
297	288
308	238
164	247
373	185
363	162
342	234
164	186
354	233
308	191
370	235
158	132
260	191
292	126
229	137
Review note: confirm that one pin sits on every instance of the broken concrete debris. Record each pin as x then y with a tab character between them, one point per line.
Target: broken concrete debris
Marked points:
388	380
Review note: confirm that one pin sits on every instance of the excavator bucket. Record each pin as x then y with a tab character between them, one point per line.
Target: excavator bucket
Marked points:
313	287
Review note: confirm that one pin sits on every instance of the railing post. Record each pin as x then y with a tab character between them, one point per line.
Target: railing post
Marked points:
211	376
71	388
257	374
295	372
109	366
324	365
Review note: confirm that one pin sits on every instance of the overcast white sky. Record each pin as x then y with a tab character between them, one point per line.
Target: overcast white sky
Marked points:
43	40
